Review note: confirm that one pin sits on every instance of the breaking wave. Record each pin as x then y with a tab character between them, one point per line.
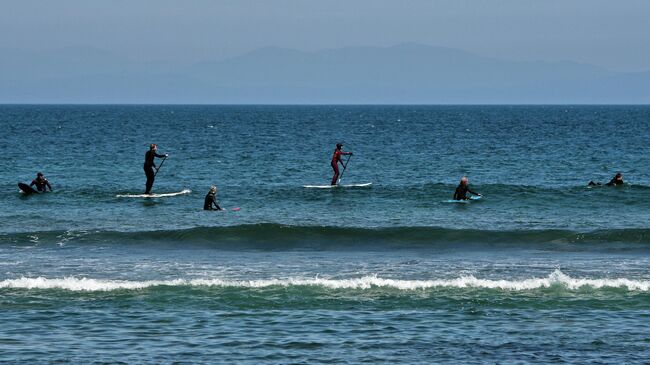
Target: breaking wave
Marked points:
555	279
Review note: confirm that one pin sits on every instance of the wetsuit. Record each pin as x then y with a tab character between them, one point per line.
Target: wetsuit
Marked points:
336	158
149	167
615	182
461	192
210	199
41	184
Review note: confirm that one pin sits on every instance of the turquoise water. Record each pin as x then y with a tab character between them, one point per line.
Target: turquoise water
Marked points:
542	269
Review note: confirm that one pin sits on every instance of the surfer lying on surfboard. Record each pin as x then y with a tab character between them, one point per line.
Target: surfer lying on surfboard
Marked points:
41	183
150	167
210	202
615	181
463	189
336	158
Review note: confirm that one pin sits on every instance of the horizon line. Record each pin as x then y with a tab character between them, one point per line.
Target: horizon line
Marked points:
324	104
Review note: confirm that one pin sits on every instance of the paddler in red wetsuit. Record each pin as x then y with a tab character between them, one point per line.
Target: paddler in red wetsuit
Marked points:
336	158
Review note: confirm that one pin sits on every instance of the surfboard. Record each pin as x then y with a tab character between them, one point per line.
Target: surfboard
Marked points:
159	195
364	185
26	189
229	209
471	198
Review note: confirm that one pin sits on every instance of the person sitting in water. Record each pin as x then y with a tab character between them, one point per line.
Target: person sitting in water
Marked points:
463	189
210	202
615	181
336	158
41	183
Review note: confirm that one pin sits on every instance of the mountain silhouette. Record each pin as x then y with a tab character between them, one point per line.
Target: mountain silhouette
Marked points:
401	74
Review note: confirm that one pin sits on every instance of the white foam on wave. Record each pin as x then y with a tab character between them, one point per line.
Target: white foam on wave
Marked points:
557	278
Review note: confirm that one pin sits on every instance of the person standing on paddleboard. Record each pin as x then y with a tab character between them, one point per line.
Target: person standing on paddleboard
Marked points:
150	166
41	183
211	200
462	189
336	158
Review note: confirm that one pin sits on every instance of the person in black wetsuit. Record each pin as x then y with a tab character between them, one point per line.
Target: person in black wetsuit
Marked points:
149	166
210	202
463	189
41	183
615	181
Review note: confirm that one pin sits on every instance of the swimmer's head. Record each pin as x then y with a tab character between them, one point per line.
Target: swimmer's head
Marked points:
39	174
339	145
464	180
213	189
153	146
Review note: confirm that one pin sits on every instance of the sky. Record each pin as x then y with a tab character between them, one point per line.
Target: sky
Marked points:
610	34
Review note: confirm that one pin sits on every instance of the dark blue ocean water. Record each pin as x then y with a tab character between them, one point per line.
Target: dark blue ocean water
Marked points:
542	269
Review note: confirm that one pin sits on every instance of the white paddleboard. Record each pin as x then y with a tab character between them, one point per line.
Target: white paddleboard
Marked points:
337	186
471	198
160	195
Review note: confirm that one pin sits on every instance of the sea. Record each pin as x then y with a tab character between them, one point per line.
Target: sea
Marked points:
542	269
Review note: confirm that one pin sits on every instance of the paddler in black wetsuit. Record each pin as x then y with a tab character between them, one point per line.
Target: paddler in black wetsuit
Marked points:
41	183
211	200
617	180
463	189
149	166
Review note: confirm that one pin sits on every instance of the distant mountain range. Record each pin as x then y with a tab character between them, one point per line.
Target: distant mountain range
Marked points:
402	74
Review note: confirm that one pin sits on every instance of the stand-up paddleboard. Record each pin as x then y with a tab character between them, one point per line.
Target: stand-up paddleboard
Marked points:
160	195
364	185
26	189
471	198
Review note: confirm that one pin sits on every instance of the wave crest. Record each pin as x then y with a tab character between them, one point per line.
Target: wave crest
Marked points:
556	278
277	236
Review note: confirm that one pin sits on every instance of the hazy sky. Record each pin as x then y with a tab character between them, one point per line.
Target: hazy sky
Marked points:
613	34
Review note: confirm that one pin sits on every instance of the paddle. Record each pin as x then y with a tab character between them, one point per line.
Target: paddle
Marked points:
344	167
159	166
